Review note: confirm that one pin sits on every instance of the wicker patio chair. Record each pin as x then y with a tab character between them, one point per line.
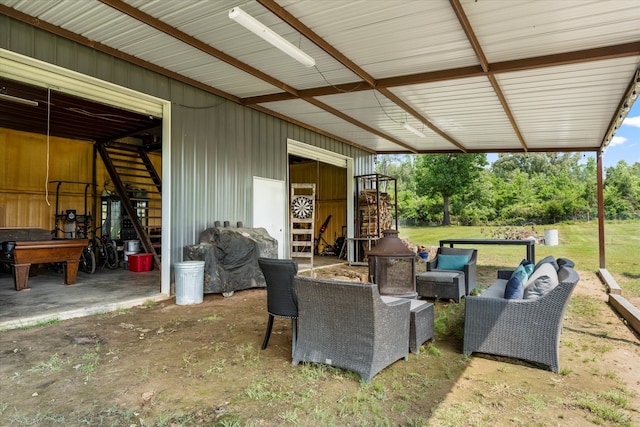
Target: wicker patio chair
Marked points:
346	324
281	295
448	284
518	328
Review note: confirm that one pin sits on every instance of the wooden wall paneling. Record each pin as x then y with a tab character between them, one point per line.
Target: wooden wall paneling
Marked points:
23	187
331	195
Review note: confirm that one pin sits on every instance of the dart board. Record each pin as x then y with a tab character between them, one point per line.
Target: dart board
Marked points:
302	207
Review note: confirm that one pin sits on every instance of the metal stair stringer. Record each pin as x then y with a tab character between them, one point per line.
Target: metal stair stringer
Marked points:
130	161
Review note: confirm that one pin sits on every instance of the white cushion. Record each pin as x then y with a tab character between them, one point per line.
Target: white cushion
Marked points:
543	280
496	290
545	269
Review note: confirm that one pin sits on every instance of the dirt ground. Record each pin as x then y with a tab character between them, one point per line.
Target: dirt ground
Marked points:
167	365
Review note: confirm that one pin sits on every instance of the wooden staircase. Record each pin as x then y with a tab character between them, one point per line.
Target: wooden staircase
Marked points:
139	187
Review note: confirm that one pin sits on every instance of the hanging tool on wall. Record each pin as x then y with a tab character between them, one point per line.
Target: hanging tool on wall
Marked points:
323	228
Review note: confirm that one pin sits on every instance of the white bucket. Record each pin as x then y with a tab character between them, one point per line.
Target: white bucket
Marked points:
551	237
132	246
189	282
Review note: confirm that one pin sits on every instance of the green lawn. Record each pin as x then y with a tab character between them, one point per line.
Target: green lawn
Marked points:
577	241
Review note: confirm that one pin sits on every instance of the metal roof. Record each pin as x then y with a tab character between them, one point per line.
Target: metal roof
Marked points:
471	75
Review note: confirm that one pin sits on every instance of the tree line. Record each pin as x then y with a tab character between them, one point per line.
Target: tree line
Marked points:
516	189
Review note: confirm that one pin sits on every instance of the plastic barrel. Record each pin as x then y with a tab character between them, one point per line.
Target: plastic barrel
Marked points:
551	237
189	282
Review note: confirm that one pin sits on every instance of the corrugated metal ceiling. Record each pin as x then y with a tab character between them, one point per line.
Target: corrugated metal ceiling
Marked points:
472	75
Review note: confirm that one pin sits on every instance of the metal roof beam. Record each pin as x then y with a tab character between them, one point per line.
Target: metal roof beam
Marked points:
281	13
84	41
587	55
355	122
192	41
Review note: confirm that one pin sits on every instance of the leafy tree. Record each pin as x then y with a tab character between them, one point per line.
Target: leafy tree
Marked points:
447	175
588	177
516	189
622	177
535	163
477	205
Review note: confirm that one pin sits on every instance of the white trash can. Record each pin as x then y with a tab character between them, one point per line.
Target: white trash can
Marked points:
189	282
551	237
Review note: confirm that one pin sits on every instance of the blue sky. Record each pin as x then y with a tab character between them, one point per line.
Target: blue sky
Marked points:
625	144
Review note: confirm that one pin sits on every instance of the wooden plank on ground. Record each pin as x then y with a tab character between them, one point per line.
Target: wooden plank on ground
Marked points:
627	310
609	281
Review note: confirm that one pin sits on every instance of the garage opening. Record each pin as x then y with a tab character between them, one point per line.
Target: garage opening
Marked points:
331	177
57	185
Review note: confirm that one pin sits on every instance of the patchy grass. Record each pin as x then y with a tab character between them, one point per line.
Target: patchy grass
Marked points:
610	406
203	366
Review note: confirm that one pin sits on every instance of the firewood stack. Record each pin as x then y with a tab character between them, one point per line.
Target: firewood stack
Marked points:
370	214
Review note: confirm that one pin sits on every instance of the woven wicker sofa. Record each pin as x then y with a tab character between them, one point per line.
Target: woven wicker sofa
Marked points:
346	324
526	329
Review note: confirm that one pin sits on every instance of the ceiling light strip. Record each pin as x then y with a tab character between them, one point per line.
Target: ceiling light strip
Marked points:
267	34
413	130
18	100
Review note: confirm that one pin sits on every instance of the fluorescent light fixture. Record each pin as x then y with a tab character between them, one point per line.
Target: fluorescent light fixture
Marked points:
413	130
18	100
261	30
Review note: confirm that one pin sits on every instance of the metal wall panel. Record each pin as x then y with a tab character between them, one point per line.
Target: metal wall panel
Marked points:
217	146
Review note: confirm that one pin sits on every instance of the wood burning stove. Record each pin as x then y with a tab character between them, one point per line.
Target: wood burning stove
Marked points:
392	266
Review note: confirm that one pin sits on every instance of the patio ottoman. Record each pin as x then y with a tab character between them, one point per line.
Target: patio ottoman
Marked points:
441	284
420	324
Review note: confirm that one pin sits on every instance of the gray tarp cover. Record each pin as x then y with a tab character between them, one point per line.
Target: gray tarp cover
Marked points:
231	257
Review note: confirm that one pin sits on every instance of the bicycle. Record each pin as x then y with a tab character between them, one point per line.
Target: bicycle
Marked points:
106	252
88	259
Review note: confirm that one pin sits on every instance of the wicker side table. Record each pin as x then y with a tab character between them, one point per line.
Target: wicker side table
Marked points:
420	324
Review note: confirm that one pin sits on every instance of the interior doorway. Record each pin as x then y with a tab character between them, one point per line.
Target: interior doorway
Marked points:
332	175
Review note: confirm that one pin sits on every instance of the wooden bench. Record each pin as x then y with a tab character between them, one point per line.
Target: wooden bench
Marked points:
36	252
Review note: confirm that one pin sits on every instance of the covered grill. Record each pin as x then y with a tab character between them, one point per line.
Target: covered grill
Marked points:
392	266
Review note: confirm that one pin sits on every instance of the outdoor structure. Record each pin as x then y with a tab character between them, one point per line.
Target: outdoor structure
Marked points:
226	110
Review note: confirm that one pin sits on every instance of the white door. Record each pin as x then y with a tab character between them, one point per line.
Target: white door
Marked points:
269	209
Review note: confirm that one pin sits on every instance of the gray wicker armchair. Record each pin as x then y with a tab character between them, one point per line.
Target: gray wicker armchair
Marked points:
448	284
346	324
518	328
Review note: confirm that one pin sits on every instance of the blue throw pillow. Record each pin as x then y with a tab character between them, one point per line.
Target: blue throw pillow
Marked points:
452	262
514	288
515	285
527	266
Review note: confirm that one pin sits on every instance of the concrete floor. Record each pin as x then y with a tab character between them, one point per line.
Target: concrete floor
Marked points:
106	290
49	298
